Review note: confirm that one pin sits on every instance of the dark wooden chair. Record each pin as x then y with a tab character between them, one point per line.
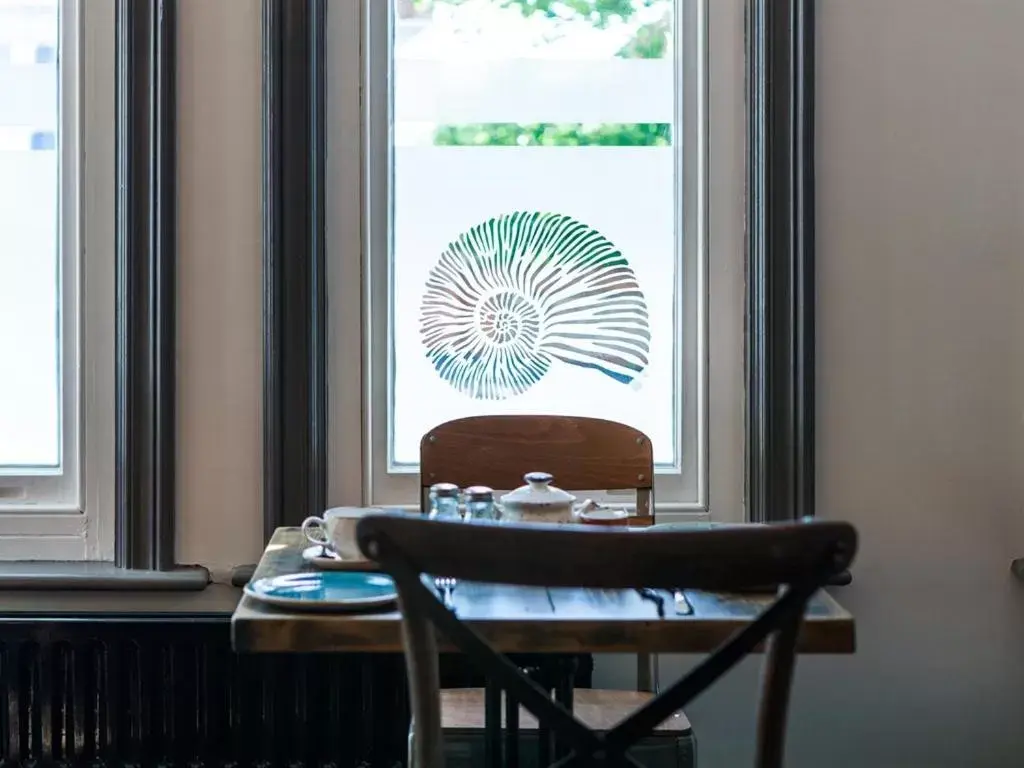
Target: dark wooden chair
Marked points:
799	558
583	454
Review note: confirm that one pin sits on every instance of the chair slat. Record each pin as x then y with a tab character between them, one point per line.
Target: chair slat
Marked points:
723	559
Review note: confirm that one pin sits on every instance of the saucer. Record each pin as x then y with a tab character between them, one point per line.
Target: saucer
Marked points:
324	591
326	560
605	516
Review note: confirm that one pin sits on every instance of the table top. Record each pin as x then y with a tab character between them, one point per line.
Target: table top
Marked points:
527	619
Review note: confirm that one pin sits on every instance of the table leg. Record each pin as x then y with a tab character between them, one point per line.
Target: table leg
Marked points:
512	730
492	725
546	674
564	694
543	746
557	676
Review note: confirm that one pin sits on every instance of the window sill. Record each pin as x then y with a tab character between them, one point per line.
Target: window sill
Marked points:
98	577
214	604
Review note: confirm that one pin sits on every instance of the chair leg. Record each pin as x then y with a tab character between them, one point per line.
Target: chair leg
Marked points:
427	745
778	677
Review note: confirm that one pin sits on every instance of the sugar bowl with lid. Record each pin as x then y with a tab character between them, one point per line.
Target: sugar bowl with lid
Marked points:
538	501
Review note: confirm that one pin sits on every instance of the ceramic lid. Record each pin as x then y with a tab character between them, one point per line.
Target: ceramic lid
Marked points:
538	492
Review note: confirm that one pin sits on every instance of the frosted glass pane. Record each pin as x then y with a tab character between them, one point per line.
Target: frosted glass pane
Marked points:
624	194
29	252
521	90
535	250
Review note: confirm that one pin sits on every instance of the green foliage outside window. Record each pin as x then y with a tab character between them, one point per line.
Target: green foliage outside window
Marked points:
554	135
598	12
649	42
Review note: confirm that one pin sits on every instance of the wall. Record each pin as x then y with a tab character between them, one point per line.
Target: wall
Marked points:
219	305
920	363
921	343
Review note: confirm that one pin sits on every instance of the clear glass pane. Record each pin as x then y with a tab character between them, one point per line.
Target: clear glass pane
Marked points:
535	195
29	235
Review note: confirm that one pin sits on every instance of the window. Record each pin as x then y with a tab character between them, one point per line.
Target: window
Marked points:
531	190
56	279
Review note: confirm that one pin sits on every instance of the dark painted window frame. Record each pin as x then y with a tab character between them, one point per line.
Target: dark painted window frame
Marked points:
780	259
145	334
780	296
294	262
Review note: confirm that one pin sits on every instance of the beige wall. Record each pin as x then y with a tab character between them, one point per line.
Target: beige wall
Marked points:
219	273
921	356
920	363
921	367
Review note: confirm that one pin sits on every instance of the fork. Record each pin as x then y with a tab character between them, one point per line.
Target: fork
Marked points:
445	586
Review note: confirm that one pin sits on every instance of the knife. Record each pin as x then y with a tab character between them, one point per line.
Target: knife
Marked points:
683	607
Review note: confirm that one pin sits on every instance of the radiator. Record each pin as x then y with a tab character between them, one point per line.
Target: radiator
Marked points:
133	694
165	693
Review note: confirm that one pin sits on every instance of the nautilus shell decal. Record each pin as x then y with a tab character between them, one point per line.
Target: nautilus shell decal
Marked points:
521	291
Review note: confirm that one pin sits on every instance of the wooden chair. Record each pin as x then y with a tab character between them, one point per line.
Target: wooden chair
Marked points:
583	454
800	558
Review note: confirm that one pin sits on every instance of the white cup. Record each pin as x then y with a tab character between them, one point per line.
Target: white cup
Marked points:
336	530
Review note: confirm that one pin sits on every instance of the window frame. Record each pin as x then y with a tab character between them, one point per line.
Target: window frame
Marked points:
69	515
295	330
132	222
683	490
295	310
145	283
781	258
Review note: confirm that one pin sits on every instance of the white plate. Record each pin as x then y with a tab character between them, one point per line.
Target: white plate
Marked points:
325	560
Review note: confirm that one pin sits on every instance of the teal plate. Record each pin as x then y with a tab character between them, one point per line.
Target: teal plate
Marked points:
325	591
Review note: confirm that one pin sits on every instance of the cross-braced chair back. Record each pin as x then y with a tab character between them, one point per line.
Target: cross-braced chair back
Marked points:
799	558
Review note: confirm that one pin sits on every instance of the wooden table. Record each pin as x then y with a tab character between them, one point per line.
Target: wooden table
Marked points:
527	619
562	622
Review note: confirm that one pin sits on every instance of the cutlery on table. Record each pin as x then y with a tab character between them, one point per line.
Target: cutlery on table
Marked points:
683	607
653	596
681	604
445	585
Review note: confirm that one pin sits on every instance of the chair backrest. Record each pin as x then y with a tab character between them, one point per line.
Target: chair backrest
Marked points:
583	454
800	558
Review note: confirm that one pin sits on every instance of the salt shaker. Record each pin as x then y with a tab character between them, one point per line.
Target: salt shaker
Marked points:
480	503
444	502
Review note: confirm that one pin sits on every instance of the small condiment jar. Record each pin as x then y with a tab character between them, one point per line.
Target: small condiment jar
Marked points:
479	503
444	502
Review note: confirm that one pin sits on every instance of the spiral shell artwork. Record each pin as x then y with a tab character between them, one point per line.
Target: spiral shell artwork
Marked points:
522	290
